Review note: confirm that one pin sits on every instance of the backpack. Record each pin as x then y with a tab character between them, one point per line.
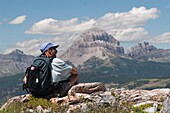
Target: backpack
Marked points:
39	79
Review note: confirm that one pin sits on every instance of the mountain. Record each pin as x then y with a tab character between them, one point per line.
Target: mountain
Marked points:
145	51
121	70
11	86
14	62
98	57
93	42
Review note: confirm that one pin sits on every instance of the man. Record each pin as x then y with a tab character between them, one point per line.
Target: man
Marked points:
63	75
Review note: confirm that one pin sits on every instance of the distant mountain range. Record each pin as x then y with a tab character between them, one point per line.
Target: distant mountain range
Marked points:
144	51
98	56
121	70
94	42
14	63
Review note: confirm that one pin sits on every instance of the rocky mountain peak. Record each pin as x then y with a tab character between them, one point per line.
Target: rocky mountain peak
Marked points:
146	46
93	42
17	52
141	49
15	62
98	35
94	32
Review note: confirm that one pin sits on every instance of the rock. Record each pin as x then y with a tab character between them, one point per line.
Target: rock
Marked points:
106	99
80	90
82	106
39	109
166	105
22	98
149	110
152	109
139	96
96	94
155	106
87	88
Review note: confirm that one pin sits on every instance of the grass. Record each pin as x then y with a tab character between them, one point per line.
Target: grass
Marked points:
17	107
146	84
91	107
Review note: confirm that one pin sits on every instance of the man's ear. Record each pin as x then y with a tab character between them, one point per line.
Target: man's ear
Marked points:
47	52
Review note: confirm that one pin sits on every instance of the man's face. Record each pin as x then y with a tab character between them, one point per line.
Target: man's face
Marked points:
51	52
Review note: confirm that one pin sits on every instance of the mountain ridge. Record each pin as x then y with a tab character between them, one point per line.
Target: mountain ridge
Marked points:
104	64
14	62
92	42
147	52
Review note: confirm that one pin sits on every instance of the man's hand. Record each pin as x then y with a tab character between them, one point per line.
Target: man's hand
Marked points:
74	71
74	76
25	79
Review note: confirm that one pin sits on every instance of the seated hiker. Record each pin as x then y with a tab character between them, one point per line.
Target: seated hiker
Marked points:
63	75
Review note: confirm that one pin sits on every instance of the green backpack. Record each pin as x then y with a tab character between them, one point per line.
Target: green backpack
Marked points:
39	79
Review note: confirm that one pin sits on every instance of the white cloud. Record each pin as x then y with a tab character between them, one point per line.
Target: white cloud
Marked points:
32	47
28	46
124	26
163	38
136	17
18	20
55	27
168	6
126	23
130	34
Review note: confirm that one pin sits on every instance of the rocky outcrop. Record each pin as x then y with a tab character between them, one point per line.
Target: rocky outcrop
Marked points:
145	51
93	42
141	49
99	95
166	105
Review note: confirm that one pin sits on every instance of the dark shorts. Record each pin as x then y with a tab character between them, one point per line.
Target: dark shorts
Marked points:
59	89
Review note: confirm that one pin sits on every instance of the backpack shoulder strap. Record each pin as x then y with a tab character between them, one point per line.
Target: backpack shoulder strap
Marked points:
24	86
46	59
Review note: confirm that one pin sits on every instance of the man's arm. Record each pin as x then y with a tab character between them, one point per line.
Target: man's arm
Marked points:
25	79
74	76
74	71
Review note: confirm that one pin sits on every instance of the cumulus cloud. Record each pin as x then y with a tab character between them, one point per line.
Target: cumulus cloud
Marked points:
18	20
128	26
32	47
136	17
28	46
168	6
131	34
124	26
56	27
163	38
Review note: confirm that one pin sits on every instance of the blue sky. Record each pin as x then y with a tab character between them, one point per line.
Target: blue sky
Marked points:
26	24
